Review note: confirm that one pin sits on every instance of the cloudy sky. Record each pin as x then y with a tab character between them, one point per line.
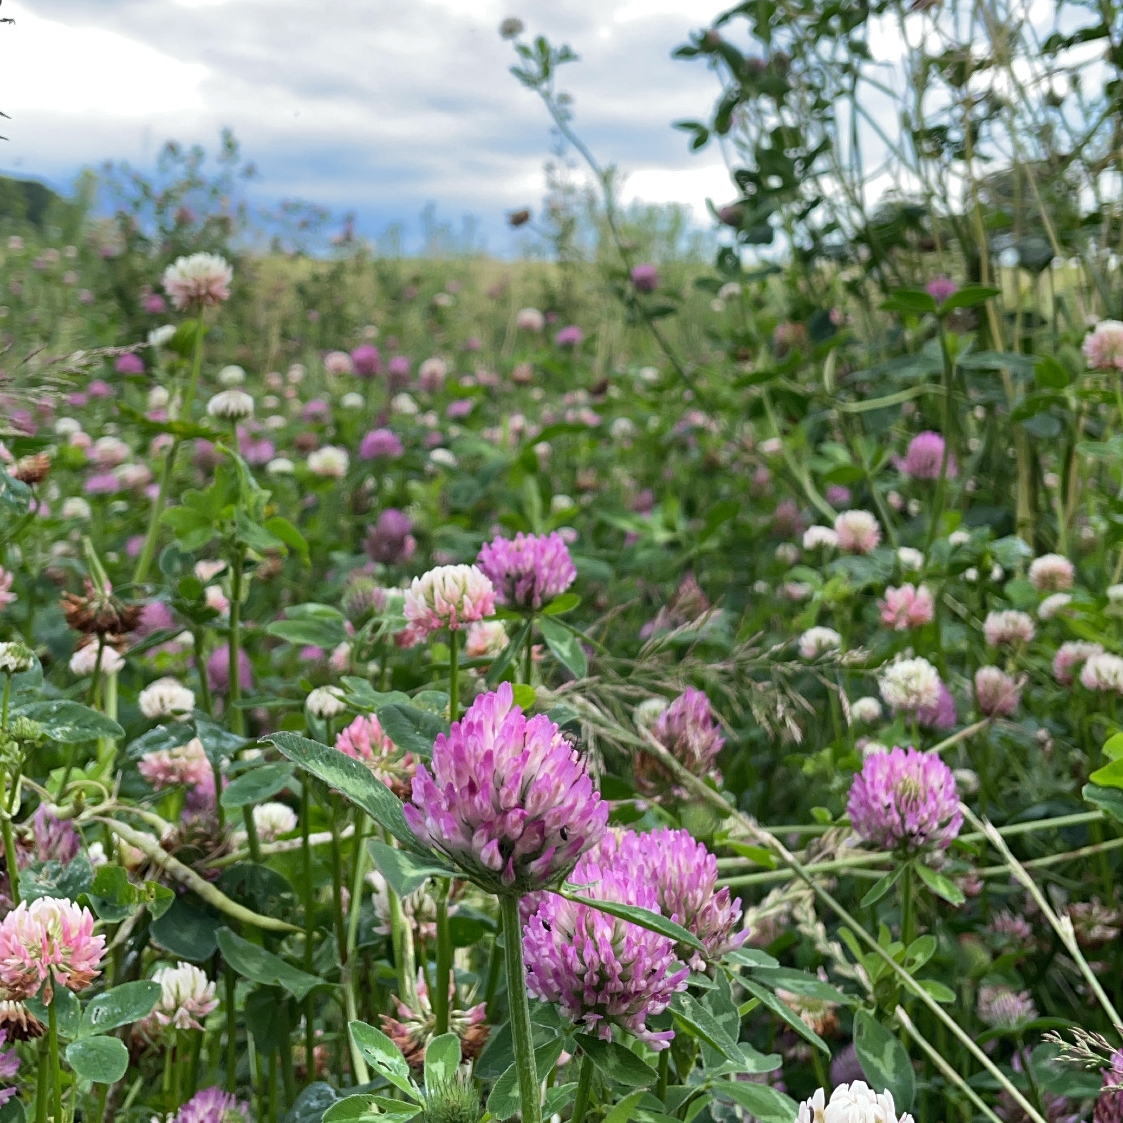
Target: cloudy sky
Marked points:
376	106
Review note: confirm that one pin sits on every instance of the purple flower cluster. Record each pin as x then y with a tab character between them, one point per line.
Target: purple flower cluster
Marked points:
390	541
529	570
688	731
1109	1105
905	800
684	874
924	458
213	1105
600	970
380	444
509	800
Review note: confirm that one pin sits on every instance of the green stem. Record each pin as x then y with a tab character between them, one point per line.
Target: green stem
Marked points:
908	907
444	959
453	676
309	921
201	668
148	552
337	885
288	1077
41	1082
56	1070
10	855
251	834
584	1083
7	699
664	1075
231	1032
237	718
521	1030
528	655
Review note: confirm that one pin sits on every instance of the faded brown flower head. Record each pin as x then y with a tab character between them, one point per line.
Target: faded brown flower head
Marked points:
32	469
99	613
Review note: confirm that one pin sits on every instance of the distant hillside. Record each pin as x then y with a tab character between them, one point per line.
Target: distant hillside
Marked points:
26	200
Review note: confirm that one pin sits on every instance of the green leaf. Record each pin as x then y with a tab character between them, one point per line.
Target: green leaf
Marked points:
70	723
523	696
940	885
442	1059
644	918
567	602
68	1012
503	1103
884	1060
56	879
803	983
781	1010
260	966
881	887
1050	374
257	785
763	1102
261	1019
969	297
700	1022
617	1062
411	729
914	301
565	646
263	889
624	1111
284	530
938	991
101	1060
309	632
405	873
187	930
384	1056
1109	776
503	661
355	782
919	952
120	1006
750	957
13	1111
1113	747
1108	800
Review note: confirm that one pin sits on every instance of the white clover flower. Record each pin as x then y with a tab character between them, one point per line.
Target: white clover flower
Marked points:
530	319
404	404
16	657
76	508
85	659
816	641
166	697
1053	604
186	998
232	375
866	710
325	702
851	1103
273	819
443	457
280	466
959	537
908	685
230	405
158	397
910	558
329	462
1008	627
649	375
816	536
1115	594
561	503
201	279
67	426
352	401
1103	672
157	337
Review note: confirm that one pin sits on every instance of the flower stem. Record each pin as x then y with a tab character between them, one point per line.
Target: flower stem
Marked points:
237	718
231	1032
453	680
41	1082
337	885
144	562
528	655
664	1075
10	856
251	834
309	922
56	1071
584	1083
7	699
444	959
521	1030
908	909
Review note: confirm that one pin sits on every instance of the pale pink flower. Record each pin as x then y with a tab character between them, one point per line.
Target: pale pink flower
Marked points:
449	596
1103	673
1009	627
7	597
1103	346
338	363
1051	573
199	280
51	939
908	607
858	532
186	998
1070	657
997	694
185	764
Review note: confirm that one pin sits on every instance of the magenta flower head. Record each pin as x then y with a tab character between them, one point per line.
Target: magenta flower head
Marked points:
366	360
924	458
571	336
398	371
645	277
684	875
602	971
688	730
49	940
1109	1105
941	288
213	1105
365	740
449	596
390	541
129	363
380	444
905	800
218	670
529	570
509	800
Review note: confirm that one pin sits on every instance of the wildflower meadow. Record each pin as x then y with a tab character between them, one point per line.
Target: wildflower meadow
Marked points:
672	676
